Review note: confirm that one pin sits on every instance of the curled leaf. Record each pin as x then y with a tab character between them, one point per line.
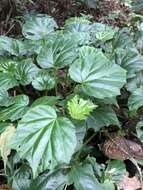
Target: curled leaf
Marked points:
80	108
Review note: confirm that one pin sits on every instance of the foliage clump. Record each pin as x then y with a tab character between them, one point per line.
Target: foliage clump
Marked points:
56	86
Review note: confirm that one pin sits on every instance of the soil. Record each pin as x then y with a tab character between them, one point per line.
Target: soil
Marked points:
112	12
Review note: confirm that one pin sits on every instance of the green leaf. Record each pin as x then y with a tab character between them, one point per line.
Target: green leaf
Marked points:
102	32
38	27
7	74
97	168
7	81
12	46
102	117
41	134
79	24
79	38
20	180
135	82
59	53
139	130
78	30
80	108
46	100
97	75
123	39
108	185
115	170
26	71
3	97
80	132
3	126
83	178
132	62
16	110
49	181
43	81
135	100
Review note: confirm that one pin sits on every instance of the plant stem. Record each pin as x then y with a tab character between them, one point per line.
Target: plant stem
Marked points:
65	187
84	144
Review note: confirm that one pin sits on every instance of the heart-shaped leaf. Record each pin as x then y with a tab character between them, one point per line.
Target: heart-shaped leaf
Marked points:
12	46
26	71
97	75
41	134
38	27
43	81
83	178
59	53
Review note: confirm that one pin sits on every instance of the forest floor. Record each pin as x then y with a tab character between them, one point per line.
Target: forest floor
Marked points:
108	11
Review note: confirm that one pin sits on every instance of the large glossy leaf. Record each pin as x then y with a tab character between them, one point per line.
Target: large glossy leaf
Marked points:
78	30
97	75
26	71
7	74
49	181
101	117
38	27
79	38
12	46
123	39
7	81
3	97
135	82
102	32
17	108
3	126
83	178
42	136
78	24
46	100
135	100
43	81
59	53
132	62
80	132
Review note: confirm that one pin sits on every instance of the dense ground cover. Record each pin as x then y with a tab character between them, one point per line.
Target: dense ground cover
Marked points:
71	94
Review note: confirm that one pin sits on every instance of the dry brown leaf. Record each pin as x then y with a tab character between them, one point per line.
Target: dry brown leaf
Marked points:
129	183
122	149
5	138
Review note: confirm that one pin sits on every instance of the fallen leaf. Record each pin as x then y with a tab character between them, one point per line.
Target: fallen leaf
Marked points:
5	138
120	148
